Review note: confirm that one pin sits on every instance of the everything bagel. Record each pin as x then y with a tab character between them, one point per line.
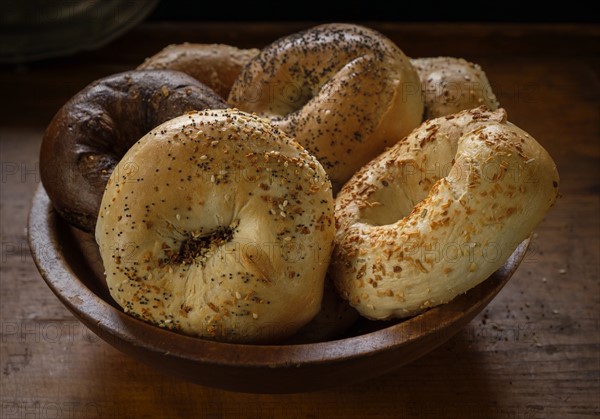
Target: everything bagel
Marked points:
94	129
345	92
439	212
224	229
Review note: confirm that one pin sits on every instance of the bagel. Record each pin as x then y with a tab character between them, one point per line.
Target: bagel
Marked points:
451	85
94	129
438	212
216	224
343	91
215	65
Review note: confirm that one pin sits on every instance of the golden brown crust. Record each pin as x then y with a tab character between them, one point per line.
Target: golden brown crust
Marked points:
451	85
216	224
216	65
345	92
437	213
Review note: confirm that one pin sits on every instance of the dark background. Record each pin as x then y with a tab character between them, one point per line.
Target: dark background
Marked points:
35	30
389	10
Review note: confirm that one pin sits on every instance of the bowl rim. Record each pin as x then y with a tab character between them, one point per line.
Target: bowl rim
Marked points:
91	308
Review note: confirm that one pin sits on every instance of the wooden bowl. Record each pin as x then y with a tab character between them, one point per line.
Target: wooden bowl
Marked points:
69	262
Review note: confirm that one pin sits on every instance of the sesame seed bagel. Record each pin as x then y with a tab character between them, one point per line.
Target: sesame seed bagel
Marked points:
438	213
451	85
345	92
215	65
92	131
217	224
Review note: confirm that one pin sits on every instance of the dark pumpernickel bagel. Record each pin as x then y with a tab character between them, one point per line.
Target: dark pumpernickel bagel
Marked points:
92	131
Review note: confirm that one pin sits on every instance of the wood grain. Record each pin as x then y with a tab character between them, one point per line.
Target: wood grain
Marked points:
534	353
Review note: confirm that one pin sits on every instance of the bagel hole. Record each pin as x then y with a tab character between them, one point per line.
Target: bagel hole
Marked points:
397	195
387	206
291	97
195	249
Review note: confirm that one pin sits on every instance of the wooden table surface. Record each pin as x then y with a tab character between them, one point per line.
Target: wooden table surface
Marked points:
533	353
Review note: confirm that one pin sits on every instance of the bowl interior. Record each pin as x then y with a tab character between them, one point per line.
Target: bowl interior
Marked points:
69	262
